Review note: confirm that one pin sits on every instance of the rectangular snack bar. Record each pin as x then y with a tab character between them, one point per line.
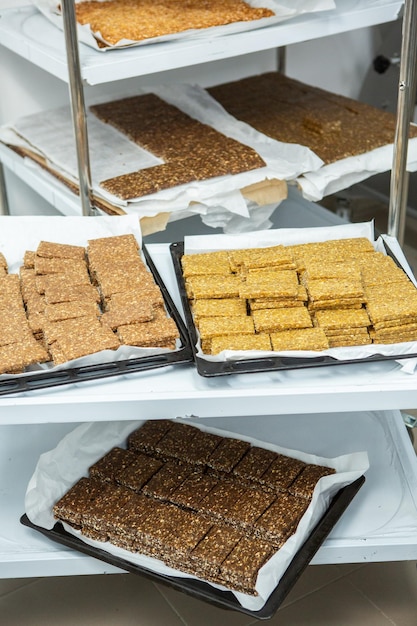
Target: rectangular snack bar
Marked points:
305	483
244	512
270	320
109	466
175	441
192	491
206	558
167	479
50	249
144	438
281	473
280	520
240	569
254	464
137	473
218	501
227	454
261	341
76	500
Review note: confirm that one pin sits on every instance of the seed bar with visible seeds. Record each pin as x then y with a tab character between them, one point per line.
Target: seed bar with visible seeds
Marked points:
192	491
342	318
270	320
207	556
227	454
300	339
137	473
205	263
261	341
305	483
240	569
148	334
50	249
144	438
108	467
281	519
175	441
281	473
168	478
210	327
218	307
213	286
74	502
217	503
128	314
254	464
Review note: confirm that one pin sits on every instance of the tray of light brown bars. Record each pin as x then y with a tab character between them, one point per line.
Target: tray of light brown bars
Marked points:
305	305
214	507
68	301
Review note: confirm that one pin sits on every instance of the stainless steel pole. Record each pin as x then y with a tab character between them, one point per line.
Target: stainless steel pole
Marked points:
4	204
77	106
405	109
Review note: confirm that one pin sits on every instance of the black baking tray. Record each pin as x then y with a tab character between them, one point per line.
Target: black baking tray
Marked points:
259	364
206	592
86	373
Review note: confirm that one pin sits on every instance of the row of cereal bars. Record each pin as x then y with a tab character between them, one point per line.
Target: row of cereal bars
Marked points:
310	296
69	301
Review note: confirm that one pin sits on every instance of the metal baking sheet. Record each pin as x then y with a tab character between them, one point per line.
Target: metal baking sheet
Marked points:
205	591
259	364
46	379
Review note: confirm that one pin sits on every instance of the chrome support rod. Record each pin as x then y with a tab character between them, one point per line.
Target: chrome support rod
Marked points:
405	109
4	203
79	119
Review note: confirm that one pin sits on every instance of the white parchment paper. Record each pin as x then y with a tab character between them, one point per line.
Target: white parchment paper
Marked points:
283	10
58	469
289	236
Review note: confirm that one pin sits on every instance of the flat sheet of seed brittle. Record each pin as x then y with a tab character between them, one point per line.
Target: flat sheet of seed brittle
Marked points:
124	23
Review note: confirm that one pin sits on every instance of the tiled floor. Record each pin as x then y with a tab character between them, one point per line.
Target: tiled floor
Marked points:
372	594
377	594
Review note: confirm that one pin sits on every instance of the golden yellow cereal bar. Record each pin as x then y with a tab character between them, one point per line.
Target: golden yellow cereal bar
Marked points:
210	327
270	285
359	340
260	257
281	319
342	318
341	303
205	263
334	288
302	339
273	303
219	307
240	342
214	286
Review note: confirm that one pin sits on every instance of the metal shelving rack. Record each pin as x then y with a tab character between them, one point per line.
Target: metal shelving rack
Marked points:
362	402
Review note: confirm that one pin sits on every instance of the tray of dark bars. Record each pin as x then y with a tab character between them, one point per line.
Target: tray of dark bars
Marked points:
203	590
210	367
48	378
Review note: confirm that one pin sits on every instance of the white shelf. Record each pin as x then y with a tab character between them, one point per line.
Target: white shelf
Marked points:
29	34
379	524
180	390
